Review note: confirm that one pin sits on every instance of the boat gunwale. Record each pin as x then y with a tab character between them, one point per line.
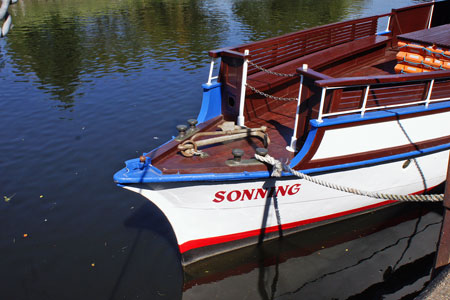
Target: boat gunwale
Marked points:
407	112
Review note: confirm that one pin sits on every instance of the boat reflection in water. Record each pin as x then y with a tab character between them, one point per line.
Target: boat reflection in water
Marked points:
382	255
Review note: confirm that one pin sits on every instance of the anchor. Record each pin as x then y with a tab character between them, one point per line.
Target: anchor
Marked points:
190	147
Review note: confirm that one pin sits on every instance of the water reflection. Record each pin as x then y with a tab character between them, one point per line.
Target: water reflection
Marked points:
65	44
270	18
131	68
376	256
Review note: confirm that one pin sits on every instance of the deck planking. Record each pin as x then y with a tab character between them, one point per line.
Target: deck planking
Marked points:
439	36
279	120
279	123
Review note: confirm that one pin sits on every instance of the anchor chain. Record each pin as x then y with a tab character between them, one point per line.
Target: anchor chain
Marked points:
271	72
6	17
270	96
279	167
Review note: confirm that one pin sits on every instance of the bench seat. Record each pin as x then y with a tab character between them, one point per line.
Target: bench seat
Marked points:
264	82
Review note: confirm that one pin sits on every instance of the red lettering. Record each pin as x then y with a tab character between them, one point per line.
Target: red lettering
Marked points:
282	190
219	196
248	194
294	189
231	198
261	193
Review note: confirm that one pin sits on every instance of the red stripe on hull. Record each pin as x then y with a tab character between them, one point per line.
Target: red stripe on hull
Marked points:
241	235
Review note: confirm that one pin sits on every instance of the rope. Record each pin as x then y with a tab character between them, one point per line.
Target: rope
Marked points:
270	96
278	167
271	72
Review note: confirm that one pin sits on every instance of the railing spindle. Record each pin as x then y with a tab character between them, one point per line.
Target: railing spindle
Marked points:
366	96
211	69
322	102
293	144
430	90
241	118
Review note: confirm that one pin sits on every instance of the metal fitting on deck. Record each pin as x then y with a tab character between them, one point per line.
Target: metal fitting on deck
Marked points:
261	151
192	128
237	153
181	131
143	162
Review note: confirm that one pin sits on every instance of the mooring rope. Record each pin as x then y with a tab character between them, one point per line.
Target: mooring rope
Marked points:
278	167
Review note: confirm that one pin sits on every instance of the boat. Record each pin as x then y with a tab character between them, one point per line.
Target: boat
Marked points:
345	103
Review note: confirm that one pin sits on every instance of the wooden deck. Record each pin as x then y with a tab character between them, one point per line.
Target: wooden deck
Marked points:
279	120
439	36
279	123
382	66
344	57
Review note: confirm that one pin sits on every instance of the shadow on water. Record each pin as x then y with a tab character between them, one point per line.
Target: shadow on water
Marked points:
149	219
378	254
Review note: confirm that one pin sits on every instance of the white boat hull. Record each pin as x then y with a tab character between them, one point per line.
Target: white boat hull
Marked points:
210	213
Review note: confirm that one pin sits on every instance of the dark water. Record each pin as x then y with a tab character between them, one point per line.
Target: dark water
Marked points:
86	85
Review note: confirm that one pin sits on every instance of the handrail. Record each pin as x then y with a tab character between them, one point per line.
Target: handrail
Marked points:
217	52
308	31
211	69
231	51
363	108
310	73
381	79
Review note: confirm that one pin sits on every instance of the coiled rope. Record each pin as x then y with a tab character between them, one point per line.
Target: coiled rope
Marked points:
278	167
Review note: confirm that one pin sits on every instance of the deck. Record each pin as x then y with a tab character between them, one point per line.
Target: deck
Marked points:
279	121
439	36
350	69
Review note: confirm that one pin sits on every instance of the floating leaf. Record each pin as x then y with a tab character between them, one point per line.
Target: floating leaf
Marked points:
7	199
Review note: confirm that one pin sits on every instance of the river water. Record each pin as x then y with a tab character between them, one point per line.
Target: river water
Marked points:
86	85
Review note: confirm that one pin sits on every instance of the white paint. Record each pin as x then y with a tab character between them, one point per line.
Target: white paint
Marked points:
193	215
378	136
241	118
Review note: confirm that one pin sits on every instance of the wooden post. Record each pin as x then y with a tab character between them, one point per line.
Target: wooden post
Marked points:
443	250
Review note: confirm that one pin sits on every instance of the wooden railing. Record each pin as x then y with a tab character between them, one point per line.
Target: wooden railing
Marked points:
274	51
358	95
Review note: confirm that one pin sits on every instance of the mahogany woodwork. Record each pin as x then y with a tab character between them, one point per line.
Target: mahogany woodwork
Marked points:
439	36
168	150
318	60
398	78
408	19
275	51
307	161
346	54
279	123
